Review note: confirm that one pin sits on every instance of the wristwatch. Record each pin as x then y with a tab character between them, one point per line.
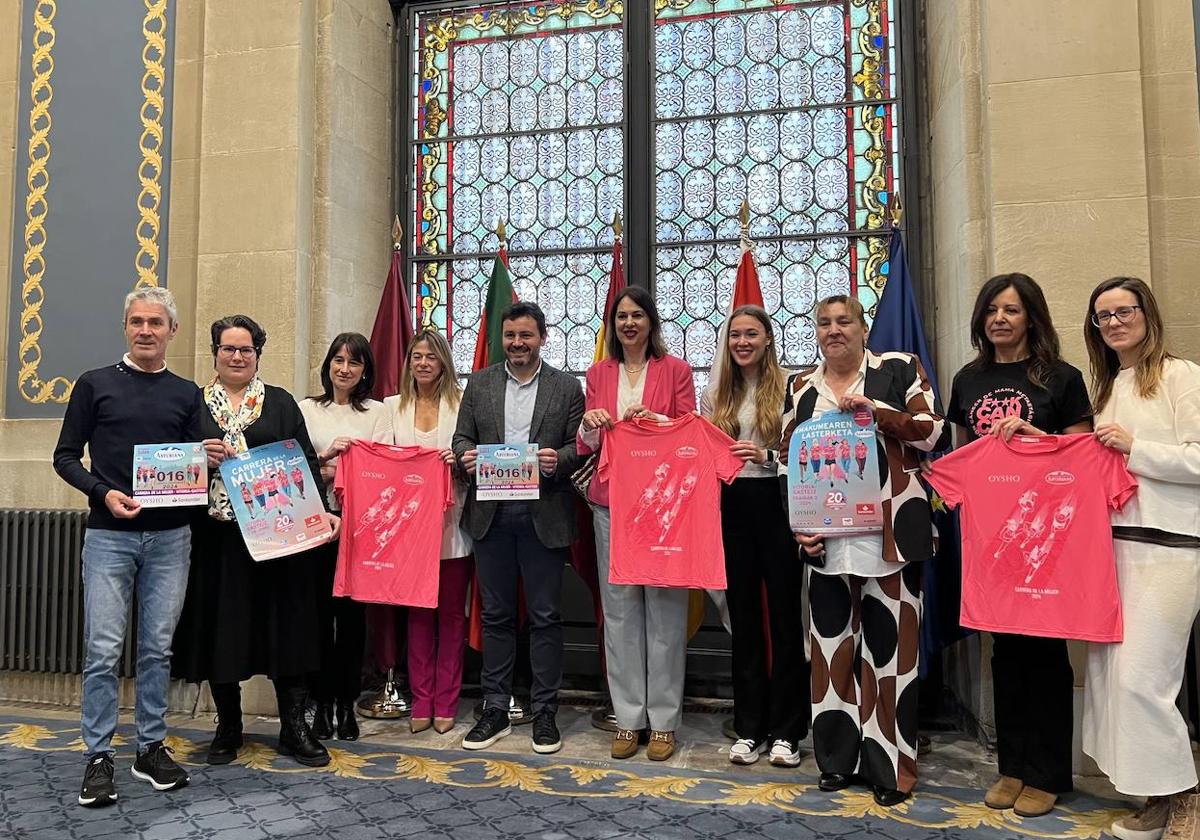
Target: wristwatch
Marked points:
772	457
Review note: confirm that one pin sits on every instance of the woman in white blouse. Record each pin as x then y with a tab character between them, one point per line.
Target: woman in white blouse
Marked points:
1147	406
342	412
425	413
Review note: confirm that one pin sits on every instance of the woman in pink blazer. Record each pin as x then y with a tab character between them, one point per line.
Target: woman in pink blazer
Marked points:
645	627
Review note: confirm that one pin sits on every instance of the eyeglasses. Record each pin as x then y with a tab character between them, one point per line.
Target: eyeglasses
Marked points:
1123	314
230	351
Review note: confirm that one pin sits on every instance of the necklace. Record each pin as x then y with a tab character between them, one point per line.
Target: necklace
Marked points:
629	369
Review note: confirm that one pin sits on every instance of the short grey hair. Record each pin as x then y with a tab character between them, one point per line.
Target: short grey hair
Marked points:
155	295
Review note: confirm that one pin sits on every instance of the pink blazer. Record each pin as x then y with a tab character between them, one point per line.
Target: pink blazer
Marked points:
669	391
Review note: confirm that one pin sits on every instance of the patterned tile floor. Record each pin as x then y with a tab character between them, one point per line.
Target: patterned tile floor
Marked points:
394	784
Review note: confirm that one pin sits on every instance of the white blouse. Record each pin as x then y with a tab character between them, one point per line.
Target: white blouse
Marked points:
325	423
748	426
1166	448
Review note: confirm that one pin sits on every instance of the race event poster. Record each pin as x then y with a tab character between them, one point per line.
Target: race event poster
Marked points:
506	472
277	503
833	475
170	474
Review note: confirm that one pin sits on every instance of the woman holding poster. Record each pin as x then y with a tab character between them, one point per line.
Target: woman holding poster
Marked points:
1018	383
342	412
425	414
1147	408
864	590
770	697
645	627
242	617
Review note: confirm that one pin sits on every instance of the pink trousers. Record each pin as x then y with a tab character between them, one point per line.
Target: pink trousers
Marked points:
435	644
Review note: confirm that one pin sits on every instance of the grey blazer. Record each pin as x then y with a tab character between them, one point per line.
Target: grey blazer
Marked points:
556	415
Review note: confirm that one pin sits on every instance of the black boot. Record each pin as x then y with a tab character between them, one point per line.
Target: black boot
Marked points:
347	724
322	726
295	738
227	740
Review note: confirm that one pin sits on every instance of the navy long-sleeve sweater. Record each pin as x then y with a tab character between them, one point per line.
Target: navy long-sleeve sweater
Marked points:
112	409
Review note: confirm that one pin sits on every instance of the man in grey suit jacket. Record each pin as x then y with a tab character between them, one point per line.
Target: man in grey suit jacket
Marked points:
524	400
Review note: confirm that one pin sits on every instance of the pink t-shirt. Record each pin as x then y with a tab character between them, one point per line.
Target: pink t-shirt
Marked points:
1037	550
393	499
665	501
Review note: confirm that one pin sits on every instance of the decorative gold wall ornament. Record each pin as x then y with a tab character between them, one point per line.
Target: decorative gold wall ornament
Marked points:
37	177
30	385
154	81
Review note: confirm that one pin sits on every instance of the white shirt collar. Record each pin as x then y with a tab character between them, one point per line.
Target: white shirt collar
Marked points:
536	374
129	363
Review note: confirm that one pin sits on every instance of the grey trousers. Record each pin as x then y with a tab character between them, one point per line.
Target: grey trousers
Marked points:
645	642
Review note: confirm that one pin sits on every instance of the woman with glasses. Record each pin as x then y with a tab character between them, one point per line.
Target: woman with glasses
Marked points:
1148	408
242	617
1018	383
341	413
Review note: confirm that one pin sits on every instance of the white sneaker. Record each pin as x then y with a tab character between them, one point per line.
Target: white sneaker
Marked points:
746	751
785	753
1147	823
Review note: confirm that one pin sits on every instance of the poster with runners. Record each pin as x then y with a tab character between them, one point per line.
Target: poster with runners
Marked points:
506	472
833	475
170	474
277	504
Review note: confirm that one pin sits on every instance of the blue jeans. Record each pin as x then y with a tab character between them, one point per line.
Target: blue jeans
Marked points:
116	564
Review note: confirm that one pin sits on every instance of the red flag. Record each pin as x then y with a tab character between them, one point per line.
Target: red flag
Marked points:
390	337
393	331
745	288
616	282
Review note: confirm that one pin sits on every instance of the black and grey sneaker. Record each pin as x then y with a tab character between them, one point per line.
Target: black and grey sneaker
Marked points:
156	766
488	730
98	787
545	733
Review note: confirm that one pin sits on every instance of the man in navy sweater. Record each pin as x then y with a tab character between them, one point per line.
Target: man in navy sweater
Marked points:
127	549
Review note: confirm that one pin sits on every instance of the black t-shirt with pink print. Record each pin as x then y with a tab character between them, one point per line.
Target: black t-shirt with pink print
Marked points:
980	397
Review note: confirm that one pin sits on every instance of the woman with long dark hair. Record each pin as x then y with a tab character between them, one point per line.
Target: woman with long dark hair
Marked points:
342	412
1148	408
645	627
1018	383
744	402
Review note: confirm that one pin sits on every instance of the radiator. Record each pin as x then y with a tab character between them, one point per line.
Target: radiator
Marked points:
41	593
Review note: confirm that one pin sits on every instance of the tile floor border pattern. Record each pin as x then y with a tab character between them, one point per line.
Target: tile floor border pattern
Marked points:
930	808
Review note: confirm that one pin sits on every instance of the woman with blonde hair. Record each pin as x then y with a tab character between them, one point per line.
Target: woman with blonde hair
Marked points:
745	403
425	413
1147	406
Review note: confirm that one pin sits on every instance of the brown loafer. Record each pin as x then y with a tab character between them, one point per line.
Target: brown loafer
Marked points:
624	743
1034	803
1004	793
662	745
419	724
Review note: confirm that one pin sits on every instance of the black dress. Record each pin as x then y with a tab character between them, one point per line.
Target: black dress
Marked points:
243	617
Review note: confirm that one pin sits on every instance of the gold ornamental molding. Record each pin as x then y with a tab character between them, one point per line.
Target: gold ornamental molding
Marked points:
29	352
31	386
154	81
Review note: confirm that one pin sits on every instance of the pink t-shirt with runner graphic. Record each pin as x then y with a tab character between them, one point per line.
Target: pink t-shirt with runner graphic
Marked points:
393	501
1037	551
665	500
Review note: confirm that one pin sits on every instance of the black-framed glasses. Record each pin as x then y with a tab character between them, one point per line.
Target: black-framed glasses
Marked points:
229	351
1123	314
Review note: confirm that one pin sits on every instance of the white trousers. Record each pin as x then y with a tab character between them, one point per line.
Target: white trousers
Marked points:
1131	725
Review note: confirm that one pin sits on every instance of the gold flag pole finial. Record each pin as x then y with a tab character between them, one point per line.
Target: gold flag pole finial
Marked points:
896	209
500	233
744	218
397	233
617	227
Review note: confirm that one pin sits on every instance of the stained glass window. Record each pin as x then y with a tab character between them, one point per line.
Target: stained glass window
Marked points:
519	117
790	106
